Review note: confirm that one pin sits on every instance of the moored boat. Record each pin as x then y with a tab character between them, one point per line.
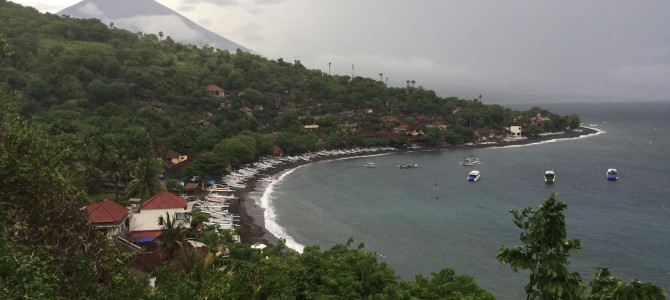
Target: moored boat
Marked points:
370	165
474	175
549	177
408	166
612	174
471	161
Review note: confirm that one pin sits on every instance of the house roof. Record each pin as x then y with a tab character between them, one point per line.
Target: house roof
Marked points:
171	154
278	149
164	200
143	237
107	211
388	119
246	109
402	126
214	88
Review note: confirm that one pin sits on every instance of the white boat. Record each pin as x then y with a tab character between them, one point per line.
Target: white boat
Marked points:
219	188
473	176
370	165
408	166
612	174
471	161
549	177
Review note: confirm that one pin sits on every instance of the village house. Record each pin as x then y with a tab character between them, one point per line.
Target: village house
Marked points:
148	219
215	90
401	129
437	124
248	111
173	157
311	128
514	130
415	130
388	120
108	217
484	134
538	120
364	112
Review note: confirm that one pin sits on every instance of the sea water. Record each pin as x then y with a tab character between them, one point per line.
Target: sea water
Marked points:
428	218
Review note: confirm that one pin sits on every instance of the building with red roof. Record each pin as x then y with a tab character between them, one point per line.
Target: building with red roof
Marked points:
146	223
215	90
108	216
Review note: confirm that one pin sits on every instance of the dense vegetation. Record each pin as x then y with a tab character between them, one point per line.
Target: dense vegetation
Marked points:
86	105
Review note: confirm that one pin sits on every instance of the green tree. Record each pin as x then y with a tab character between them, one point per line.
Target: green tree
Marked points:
545	252
444	285
209	165
573	121
606	286
172	236
433	136
145	174
48	250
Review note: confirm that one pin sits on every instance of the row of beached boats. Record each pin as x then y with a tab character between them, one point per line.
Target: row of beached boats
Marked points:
217	201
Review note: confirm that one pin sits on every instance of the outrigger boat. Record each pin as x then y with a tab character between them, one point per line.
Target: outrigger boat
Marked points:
408	166
473	176
471	161
549	177
370	165
612	174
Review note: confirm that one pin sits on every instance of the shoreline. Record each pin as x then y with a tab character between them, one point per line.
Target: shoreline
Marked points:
252	218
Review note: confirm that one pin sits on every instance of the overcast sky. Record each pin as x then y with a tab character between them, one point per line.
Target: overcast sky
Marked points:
616	48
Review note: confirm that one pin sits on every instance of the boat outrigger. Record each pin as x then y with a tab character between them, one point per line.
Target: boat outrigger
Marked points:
549	177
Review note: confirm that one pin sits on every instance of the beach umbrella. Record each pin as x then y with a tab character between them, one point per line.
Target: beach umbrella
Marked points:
212	182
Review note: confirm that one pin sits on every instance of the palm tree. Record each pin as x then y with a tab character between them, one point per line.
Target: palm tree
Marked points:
172	236
146	173
116	172
413	82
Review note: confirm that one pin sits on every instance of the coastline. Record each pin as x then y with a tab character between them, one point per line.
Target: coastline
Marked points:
252	219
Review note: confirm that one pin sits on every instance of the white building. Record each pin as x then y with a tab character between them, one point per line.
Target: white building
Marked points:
147	221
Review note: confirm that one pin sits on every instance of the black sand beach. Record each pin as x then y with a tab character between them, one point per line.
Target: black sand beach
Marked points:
251	216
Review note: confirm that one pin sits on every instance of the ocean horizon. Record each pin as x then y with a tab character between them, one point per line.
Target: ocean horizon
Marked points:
429	218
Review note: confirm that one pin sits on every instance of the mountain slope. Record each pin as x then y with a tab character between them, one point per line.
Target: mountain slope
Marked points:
149	16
